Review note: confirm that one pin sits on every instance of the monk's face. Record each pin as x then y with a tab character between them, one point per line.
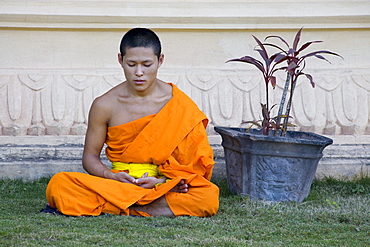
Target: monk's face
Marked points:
140	67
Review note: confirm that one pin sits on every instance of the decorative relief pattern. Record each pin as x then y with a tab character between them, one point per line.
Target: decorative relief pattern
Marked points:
282	178
57	104
236	177
44	104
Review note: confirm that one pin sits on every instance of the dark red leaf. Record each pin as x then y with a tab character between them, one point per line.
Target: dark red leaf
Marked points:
272	107
250	60
297	38
272	80
280	58
291	51
307	45
275	36
275	46
322	57
310	78
292	66
320	52
264	52
266	59
281	68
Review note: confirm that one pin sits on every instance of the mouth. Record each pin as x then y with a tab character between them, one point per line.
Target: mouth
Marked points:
139	82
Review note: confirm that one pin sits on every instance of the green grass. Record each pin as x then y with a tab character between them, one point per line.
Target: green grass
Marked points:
336	213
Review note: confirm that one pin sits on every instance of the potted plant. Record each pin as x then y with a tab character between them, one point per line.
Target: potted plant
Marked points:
271	163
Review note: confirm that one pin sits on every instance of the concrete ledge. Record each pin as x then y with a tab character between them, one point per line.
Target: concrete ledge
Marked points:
32	157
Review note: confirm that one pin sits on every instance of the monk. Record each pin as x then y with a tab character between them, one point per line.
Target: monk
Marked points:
156	140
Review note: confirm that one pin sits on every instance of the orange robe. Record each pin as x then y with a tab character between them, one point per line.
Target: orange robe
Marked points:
175	139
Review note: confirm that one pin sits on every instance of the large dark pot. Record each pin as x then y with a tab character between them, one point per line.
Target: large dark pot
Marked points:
268	167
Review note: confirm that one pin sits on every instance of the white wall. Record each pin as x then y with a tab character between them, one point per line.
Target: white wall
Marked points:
57	56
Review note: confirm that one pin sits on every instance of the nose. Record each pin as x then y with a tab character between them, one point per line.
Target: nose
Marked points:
139	71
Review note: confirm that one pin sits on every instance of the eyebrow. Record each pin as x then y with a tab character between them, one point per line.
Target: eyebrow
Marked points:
134	61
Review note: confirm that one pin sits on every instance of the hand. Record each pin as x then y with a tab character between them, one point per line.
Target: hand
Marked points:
123	177
148	182
181	187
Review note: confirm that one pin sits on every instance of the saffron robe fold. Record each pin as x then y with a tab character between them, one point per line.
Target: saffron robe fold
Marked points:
175	140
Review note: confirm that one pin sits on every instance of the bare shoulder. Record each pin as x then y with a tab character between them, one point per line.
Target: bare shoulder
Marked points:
103	104
108	98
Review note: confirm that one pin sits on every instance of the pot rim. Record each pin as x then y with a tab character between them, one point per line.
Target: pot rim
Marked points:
292	136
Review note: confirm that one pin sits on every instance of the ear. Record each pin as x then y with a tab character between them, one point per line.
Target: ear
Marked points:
120	59
160	60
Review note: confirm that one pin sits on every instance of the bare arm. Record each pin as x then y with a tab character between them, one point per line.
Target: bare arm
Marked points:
94	141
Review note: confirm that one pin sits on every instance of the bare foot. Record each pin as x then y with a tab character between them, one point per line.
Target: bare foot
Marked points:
181	187
158	207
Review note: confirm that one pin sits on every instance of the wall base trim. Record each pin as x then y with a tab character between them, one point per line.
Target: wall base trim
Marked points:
34	157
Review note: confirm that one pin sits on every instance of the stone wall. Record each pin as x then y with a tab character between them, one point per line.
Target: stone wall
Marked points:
57	56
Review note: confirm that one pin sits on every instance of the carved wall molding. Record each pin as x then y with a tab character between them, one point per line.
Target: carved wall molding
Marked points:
238	14
51	102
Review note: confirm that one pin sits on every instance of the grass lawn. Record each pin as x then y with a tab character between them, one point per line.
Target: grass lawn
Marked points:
336	213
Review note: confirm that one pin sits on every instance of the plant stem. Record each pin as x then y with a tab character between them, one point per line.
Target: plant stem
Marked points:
267	94
283	98
288	107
